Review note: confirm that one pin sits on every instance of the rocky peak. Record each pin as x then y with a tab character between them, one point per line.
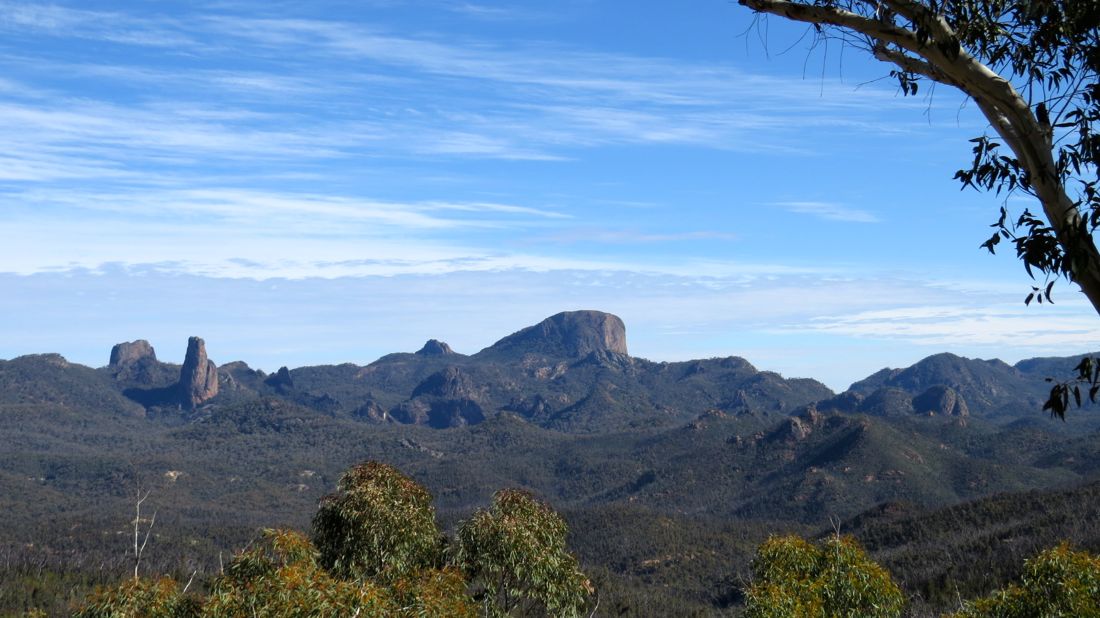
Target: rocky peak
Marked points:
199	375
451	383
281	380
435	347
131	352
573	334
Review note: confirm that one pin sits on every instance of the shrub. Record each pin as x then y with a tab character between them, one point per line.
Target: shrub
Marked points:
140	598
281	577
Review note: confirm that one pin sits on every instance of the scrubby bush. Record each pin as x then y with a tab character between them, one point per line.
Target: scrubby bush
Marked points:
281	577
141	598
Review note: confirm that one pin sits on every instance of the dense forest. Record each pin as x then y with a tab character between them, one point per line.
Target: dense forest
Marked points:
668	477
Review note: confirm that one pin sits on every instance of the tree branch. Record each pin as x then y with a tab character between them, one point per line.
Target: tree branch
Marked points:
912	65
832	16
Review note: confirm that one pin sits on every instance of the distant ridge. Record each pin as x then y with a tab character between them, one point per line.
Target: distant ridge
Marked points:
983	386
572	372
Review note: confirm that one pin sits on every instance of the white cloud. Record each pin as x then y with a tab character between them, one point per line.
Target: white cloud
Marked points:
1068	325
809	325
828	210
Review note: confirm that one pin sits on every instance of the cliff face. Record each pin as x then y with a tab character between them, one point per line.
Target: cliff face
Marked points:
131	352
198	377
134	364
571	334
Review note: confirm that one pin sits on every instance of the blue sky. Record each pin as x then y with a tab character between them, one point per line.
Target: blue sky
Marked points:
304	183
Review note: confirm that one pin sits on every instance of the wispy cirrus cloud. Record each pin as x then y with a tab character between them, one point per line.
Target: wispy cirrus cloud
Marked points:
300	212
629	236
495	13
828	210
332	89
111	26
999	325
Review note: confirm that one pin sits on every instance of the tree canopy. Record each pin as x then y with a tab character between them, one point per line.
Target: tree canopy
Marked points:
380	525
515	556
793	577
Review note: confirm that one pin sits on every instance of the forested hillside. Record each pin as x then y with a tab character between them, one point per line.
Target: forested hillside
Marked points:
668	474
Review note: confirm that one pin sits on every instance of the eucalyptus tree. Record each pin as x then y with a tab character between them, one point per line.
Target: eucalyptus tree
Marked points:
1031	67
836	578
380	525
516	559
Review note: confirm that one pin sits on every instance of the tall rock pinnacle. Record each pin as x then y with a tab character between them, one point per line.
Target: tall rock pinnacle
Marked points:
199	375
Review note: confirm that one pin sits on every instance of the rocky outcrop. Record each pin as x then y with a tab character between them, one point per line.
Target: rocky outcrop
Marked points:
444	399
135	367
796	428
940	400
440	413
130	352
572	334
371	412
198	377
281	381
451	383
435	347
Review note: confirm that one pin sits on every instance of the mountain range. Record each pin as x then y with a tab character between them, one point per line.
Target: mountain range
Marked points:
571	373
669	473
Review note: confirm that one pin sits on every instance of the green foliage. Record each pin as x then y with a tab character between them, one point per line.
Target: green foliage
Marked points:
1088	375
380	525
1057	582
792	577
140	598
435	593
515	555
281	577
